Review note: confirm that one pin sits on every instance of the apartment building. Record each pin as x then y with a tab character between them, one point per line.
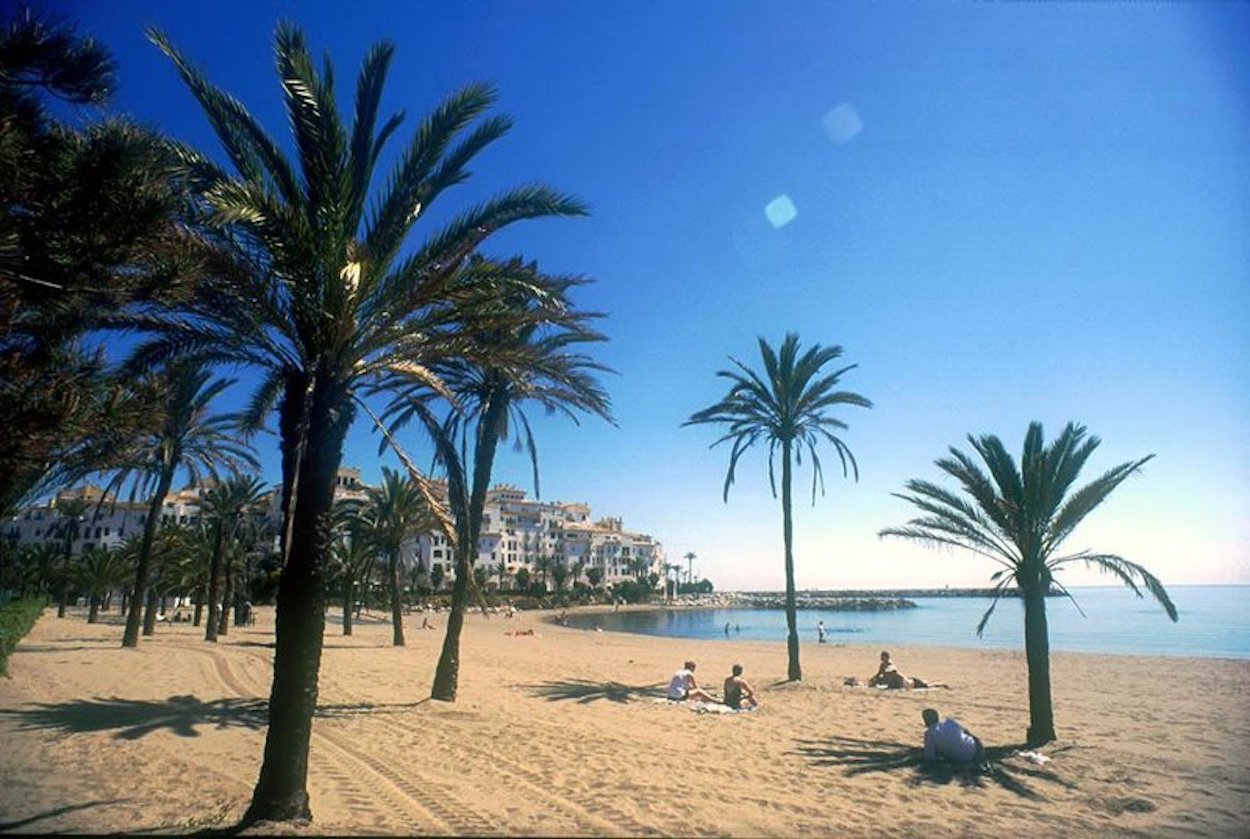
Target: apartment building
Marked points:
517	532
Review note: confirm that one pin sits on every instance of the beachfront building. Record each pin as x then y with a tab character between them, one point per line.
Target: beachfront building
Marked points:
520	533
105	524
517	533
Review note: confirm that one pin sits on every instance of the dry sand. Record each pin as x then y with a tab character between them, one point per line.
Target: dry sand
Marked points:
560	734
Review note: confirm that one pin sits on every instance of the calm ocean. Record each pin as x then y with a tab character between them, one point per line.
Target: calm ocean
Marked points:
1214	622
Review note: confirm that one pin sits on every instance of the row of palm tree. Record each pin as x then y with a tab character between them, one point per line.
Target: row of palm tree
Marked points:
1017	516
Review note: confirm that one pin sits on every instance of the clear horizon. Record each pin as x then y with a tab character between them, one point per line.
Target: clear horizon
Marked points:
1003	213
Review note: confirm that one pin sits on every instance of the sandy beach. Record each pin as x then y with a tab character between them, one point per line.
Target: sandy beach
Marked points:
561	733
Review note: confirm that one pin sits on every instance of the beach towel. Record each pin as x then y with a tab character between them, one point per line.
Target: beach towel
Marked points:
717	708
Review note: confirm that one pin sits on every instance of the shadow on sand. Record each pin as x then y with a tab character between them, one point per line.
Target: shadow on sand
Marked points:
586	691
131	719
17	825
859	757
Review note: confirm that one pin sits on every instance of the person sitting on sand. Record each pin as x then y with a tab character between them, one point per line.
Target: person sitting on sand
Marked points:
948	740
738	693
886	672
683	686
888	676
425	624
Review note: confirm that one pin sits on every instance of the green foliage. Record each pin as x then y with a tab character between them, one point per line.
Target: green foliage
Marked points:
88	226
701	587
1019	516
16	619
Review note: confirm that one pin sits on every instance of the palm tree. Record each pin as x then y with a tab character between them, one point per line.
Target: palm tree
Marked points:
395	512
1018	517
322	294
505	368
224	506
690	557
99	572
87	212
788	407
559	573
542	564
353	554
72	512
188	438
578	568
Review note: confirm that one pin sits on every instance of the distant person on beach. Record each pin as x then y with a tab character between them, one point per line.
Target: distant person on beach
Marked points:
683	686
738	693
820	632
948	740
726	628
425	624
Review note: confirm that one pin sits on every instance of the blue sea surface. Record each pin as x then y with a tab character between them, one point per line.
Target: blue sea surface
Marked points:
1214	623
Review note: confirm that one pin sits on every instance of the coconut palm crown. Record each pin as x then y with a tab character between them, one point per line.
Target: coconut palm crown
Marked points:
788	407
1019	517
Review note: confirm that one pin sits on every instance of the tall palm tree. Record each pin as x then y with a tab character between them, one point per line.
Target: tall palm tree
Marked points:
578	567
1018	517
395	512
506	367
690	557
189	438
322	294
353	555
788	407
224	506
72	513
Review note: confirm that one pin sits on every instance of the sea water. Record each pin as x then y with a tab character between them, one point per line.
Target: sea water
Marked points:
1214	622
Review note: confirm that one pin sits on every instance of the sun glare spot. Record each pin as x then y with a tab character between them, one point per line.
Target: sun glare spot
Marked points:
842	123
781	211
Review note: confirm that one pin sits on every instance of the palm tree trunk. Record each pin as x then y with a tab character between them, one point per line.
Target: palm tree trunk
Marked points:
281	792
795	672
214	582
397	606
69	550
199	607
149	613
93	613
447	674
349	603
227	597
138	594
1037	652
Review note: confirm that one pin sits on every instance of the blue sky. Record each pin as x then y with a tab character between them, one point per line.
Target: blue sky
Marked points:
1003	212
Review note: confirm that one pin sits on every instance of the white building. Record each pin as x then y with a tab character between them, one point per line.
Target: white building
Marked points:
521	533
517	533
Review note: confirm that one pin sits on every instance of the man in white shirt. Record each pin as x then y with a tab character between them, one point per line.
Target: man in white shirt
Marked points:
948	740
683	686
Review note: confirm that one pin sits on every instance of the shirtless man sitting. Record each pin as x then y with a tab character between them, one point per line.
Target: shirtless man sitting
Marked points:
683	686
738	692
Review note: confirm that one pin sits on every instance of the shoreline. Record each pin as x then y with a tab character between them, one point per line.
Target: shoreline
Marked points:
582	612
558	733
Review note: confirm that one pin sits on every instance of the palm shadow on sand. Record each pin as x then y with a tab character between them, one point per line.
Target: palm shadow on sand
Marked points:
184	716
859	757
585	691
19	824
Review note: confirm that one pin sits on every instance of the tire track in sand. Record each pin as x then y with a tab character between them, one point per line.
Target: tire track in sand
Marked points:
590	812
425	801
